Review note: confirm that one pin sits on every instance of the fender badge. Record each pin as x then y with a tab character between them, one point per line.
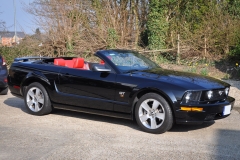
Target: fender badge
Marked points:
121	94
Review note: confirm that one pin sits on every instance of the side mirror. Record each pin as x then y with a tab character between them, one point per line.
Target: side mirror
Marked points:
101	68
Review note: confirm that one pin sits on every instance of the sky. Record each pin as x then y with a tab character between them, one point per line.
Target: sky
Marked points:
24	21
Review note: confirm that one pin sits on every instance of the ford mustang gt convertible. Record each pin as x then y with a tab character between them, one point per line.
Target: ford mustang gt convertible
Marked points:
119	83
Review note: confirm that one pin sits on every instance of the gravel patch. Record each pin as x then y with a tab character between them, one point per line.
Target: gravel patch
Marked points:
72	136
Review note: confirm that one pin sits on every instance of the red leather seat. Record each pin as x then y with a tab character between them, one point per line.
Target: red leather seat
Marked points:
79	63
74	63
69	63
59	62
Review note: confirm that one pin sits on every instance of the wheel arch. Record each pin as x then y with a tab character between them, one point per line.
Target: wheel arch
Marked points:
34	77
169	97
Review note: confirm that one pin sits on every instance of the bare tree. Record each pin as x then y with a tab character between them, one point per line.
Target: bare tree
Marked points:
85	26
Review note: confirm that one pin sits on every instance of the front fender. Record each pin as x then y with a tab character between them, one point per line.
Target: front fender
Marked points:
163	88
169	92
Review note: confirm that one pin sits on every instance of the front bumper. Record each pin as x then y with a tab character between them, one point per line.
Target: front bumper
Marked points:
210	112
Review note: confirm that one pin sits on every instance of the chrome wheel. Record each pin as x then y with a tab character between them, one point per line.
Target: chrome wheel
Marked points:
151	113
35	99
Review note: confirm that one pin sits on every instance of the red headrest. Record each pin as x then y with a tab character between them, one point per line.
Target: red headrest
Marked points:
59	62
79	63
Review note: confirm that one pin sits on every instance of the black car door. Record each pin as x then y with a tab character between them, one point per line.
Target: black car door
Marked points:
86	88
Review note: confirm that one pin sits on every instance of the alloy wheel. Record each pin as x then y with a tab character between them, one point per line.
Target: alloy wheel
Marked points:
151	113
35	99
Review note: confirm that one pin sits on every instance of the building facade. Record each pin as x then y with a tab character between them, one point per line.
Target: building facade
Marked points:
8	38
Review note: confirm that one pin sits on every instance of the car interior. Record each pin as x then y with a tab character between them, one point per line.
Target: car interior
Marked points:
79	63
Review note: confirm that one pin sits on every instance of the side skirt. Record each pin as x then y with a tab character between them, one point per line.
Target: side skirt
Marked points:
93	111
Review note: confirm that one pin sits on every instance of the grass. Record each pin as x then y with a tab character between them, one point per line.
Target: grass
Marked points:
204	71
192	69
216	69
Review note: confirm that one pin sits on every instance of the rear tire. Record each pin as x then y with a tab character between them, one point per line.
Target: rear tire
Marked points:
4	91
153	114
36	99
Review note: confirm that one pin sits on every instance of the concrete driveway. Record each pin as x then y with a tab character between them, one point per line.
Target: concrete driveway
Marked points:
72	135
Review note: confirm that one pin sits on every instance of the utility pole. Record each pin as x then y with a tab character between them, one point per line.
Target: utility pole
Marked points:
15	21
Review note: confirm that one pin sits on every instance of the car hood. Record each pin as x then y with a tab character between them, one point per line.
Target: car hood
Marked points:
183	79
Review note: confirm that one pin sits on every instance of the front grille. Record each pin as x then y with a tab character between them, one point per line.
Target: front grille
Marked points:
210	117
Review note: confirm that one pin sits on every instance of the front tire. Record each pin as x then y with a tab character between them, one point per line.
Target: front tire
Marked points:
36	99
153	114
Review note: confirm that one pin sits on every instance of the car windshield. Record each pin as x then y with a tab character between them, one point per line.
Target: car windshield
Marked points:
128	61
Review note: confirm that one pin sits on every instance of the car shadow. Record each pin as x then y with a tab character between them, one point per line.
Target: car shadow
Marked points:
125	122
19	103
16	102
94	117
186	128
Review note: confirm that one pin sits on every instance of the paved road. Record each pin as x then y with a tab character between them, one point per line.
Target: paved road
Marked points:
71	135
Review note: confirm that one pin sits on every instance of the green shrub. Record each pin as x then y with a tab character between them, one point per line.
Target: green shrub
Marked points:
204	71
192	69
234	54
9	53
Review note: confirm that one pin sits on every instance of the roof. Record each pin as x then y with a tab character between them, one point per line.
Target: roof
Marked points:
11	34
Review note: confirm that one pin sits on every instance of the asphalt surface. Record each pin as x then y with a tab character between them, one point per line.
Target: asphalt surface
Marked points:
72	135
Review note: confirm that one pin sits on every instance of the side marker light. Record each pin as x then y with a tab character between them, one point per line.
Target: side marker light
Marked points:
194	109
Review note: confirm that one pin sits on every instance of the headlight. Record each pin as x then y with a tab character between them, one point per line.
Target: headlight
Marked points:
209	94
226	91
192	97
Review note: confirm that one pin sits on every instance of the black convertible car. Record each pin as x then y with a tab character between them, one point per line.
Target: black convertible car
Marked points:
122	83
